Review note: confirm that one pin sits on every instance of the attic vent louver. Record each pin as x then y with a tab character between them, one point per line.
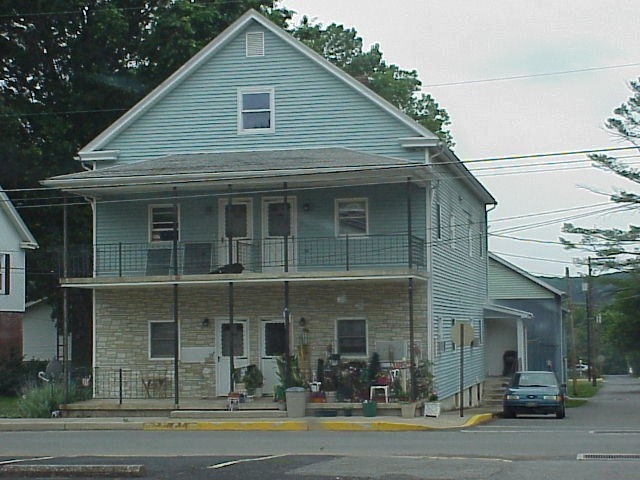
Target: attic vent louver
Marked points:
255	44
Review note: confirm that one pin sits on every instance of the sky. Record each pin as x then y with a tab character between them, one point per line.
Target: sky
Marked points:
573	60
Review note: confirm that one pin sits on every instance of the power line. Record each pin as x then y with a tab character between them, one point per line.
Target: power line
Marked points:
530	75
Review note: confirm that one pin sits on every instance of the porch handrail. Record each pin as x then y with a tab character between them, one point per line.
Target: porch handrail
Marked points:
197	257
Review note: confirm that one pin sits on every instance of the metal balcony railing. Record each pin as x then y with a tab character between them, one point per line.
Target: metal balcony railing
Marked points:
262	255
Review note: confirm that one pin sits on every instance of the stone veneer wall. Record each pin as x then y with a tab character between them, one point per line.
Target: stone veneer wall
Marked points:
122	317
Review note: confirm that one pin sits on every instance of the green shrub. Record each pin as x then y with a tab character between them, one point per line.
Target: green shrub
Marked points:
39	401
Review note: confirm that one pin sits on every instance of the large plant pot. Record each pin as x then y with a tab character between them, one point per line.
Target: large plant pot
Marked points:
296	402
408	410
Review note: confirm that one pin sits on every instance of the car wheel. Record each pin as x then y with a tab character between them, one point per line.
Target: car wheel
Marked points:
560	413
508	413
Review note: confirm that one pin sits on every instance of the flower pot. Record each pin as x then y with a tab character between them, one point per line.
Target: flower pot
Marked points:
408	410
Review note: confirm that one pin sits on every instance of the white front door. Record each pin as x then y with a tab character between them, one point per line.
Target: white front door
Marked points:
273	341
278	220
240	351
235	219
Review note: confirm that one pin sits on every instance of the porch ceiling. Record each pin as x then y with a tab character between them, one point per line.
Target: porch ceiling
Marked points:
255	278
493	311
298	167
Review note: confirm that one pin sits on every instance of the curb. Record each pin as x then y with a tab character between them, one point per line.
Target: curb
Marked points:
258	425
309	425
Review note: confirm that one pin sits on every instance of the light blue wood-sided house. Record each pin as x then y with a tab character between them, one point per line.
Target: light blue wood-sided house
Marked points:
15	241
538	334
261	200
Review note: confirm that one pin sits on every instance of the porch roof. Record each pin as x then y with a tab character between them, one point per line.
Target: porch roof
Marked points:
491	310
298	167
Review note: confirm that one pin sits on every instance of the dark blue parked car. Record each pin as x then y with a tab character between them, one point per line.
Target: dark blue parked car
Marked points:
534	392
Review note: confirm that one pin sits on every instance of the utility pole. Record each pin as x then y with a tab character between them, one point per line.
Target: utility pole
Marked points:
572	359
588	300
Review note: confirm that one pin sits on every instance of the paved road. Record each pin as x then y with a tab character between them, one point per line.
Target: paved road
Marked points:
529	448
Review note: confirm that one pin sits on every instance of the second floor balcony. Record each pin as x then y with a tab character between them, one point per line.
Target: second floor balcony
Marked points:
274	256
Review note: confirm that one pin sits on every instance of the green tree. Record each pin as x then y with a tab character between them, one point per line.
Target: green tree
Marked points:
619	245
344	48
622	322
617	248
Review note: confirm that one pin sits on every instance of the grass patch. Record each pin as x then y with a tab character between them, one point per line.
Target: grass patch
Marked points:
584	389
574	402
8	407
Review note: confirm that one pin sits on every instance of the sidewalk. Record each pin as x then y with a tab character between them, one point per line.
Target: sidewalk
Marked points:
232	422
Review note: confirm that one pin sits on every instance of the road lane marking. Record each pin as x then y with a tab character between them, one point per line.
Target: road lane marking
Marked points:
244	460
19	460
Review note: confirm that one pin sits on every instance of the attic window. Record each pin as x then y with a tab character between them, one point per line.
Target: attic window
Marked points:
255	44
256	110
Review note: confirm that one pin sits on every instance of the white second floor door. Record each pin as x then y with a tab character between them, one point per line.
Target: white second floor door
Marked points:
278	222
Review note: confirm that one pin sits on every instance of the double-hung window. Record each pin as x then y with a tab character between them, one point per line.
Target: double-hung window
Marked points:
161	339
256	110
352	216
5	273
161	223
351	337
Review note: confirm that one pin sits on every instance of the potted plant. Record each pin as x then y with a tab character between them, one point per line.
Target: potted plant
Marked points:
253	380
426	389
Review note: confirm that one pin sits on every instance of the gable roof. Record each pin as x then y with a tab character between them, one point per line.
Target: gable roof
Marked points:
427	138
528	276
97	149
27	241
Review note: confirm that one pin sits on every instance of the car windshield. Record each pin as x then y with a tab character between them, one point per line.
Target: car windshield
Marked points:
535	379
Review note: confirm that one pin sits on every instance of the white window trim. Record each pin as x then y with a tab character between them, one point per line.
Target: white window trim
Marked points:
272	111
337	217
452	231
150	220
470	236
156	359
5	278
365	355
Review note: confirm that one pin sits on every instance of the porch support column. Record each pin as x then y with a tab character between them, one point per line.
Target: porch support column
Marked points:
522	345
176	329
286	310
412	356
232	333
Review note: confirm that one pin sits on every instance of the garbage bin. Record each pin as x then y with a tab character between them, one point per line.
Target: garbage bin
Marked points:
296	402
369	408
